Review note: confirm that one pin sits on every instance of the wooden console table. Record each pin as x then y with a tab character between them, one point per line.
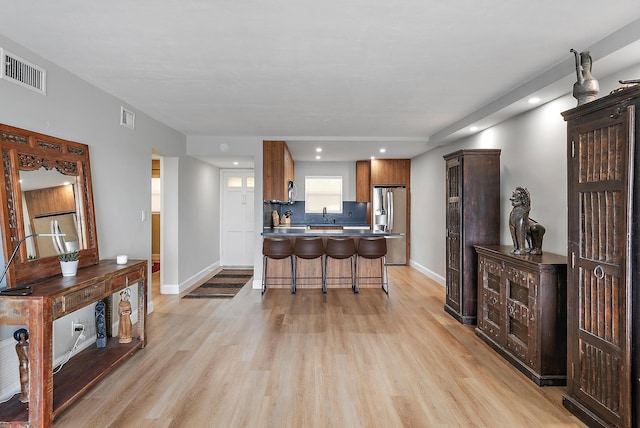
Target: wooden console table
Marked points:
54	298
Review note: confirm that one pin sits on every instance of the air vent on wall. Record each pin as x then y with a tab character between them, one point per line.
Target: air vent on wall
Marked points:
127	118
17	70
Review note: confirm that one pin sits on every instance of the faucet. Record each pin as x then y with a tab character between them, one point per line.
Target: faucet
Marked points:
324	211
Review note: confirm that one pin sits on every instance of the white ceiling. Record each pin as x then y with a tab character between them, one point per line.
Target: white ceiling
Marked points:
352	75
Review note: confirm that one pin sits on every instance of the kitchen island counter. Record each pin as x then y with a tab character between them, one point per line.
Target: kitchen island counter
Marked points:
303	231
309	269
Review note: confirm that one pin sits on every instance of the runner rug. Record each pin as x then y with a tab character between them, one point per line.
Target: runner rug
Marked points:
224	284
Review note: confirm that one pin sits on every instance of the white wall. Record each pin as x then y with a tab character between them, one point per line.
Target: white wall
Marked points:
121	169
346	170
534	156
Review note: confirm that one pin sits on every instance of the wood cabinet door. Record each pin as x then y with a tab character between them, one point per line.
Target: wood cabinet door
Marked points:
599	296
520	326
454	246
490	291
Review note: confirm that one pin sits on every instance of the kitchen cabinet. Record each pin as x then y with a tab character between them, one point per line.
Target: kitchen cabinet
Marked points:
472	217
363	181
54	298
390	172
522	310
277	170
603	297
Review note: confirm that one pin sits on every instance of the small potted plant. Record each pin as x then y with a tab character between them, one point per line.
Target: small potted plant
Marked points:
69	263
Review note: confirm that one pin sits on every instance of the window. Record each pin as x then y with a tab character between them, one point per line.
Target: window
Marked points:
323	192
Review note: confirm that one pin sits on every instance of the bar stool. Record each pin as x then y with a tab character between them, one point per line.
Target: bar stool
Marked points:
371	247
340	248
309	248
276	248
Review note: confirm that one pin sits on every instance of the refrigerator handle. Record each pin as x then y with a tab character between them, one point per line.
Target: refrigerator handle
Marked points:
390	213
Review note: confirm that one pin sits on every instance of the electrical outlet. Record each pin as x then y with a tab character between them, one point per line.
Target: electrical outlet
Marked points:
76	327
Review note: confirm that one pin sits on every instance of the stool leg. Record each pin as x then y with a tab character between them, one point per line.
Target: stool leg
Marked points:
385	275
324	274
357	278
352	263
294	266
264	274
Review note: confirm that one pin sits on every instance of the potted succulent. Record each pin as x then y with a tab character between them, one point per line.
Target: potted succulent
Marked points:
69	263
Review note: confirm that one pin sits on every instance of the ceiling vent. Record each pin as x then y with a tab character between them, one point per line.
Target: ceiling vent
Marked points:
17	70
127	118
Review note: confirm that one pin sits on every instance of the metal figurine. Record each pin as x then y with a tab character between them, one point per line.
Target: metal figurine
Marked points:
22	349
586	88
524	230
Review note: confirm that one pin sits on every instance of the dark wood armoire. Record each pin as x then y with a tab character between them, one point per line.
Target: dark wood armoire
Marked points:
603	348
472	217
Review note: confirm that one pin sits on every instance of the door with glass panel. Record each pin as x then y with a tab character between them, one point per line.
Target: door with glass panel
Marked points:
237	222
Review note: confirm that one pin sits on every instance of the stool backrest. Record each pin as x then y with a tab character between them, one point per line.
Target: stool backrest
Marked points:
372	247
340	248
308	247
276	248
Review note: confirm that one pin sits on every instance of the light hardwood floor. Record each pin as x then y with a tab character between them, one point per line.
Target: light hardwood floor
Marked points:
309	360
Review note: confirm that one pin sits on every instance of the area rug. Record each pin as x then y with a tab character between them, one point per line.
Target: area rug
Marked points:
225	284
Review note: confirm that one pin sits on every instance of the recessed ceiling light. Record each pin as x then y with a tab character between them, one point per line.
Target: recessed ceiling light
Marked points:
318	157
473	128
383	150
318	149
373	157
534	100
235	162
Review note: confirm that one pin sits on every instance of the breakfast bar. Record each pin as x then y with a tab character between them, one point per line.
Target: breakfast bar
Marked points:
309	272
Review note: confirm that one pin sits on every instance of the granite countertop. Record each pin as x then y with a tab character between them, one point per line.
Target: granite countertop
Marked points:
304	231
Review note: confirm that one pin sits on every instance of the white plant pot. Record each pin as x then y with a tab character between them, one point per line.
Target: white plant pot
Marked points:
69	268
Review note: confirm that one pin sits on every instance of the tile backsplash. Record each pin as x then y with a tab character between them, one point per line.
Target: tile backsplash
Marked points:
354	213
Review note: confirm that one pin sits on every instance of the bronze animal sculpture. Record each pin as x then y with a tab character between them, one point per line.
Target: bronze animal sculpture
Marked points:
524	230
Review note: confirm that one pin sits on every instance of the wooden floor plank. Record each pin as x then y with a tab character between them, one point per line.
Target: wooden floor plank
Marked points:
308	360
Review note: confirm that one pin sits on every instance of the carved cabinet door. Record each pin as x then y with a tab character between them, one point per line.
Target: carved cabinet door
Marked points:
454	293
600	188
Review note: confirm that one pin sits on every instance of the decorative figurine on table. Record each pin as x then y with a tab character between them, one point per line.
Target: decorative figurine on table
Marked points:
101	325
22	349
586	87
524	230
124	310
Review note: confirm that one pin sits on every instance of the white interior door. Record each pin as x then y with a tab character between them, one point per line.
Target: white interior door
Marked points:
237	223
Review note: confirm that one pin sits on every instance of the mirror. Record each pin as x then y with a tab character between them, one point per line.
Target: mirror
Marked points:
47	186
50	206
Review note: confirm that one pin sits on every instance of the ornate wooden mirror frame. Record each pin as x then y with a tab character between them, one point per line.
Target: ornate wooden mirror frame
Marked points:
24	150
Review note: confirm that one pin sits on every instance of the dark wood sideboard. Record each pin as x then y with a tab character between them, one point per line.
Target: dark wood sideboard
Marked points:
522	312
56	297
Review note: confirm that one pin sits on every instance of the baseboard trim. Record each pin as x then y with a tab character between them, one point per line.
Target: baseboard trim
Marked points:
431	274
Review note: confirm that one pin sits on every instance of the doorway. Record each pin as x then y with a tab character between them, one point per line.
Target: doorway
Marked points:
237	222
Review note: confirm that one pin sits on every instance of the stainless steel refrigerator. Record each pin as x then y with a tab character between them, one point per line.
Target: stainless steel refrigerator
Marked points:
389	212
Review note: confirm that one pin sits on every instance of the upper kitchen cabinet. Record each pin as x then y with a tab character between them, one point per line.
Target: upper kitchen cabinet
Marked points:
380	172
363	181
390	172
277	170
